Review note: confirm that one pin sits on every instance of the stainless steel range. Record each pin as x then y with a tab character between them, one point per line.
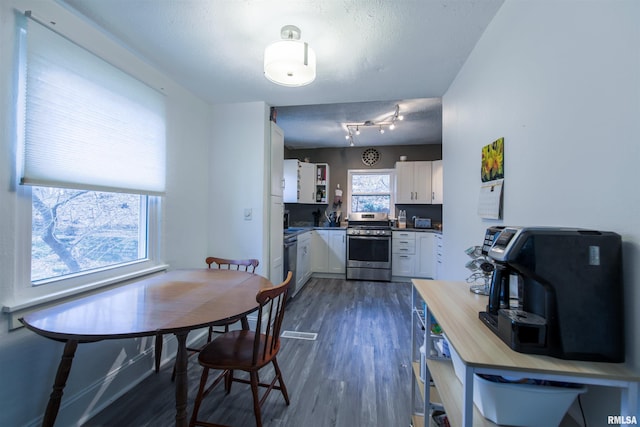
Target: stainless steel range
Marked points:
369	246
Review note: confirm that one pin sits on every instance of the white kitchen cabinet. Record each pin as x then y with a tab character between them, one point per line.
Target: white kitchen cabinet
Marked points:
403	253
438	249
436	182
277	160
329	251
276	157
299	182
413	254
413	182
303	259
320	254
425	264
275	239
337	251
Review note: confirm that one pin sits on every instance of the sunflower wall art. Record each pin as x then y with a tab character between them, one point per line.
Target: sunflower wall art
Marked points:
492	174
493	161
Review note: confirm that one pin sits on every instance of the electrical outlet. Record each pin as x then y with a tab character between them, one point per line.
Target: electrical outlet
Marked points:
247	214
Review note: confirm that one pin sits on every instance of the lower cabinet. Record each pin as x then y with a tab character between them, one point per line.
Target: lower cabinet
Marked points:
425	255
329	251
413	254
438	246
403	253
303	259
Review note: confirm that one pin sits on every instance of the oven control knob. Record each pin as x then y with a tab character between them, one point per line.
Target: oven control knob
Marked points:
368	231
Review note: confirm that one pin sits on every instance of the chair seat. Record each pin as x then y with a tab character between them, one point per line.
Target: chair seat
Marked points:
233	350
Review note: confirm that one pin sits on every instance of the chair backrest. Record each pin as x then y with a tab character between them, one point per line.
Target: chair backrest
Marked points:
249	265
270	314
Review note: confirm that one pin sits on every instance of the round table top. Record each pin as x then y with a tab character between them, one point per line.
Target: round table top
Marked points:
175	301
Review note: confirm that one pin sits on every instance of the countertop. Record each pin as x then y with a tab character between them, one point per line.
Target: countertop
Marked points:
456	310
294	231
419	230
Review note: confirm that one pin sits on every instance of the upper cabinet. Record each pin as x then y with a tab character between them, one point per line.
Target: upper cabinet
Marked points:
305	182
277	159
419	182
436	182
413	183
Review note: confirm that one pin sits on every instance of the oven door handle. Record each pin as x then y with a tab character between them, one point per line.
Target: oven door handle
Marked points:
370	237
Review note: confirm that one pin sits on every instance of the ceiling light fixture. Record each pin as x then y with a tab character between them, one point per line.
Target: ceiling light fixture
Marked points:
290	61
389	123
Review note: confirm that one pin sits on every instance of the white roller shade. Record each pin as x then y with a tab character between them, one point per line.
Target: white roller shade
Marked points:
87	124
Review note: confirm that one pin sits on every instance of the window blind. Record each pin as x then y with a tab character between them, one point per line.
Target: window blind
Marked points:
87	124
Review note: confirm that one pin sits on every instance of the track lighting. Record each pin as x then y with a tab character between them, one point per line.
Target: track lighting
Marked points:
390	122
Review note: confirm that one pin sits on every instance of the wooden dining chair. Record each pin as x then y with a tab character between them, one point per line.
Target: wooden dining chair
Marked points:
248	265
247	351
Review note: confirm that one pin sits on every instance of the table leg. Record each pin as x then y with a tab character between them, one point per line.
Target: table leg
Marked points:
58	386
467	397
630	400
245	323
181	379
158	351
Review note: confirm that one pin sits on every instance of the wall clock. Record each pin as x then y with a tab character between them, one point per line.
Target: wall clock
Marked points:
370	156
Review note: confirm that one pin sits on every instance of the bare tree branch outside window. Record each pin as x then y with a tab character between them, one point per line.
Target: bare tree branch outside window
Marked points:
79	230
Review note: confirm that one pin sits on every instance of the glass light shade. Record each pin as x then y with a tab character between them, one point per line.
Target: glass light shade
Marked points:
290	63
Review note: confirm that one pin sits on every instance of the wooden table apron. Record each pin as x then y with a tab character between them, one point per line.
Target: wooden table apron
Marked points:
174	302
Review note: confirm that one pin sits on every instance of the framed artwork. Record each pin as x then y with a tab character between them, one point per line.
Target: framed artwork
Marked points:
492	167
492	174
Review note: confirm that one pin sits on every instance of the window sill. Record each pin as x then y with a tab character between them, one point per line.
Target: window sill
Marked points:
18	308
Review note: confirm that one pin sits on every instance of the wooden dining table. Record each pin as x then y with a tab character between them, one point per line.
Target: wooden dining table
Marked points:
175	302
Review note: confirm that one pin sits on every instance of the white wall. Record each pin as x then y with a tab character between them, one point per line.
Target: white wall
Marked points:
560	81
237	163
102	370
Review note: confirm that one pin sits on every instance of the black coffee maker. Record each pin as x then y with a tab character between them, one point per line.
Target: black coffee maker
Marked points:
567	285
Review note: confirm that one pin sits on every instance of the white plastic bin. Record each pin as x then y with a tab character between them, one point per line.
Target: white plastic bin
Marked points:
522	405
525	405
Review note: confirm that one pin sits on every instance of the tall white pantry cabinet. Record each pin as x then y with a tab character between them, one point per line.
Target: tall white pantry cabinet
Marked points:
276	210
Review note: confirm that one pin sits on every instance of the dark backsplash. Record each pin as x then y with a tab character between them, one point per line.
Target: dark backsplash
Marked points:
423	211
301	215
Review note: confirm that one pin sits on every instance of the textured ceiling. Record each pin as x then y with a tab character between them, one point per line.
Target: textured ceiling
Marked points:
367	50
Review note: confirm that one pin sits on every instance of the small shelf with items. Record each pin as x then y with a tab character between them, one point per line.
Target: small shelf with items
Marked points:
433	363
425	333
322	182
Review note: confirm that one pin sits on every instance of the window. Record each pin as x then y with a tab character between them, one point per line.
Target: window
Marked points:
370	190
91	158
76	231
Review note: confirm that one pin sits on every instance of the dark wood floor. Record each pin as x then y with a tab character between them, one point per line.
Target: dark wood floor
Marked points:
355	374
